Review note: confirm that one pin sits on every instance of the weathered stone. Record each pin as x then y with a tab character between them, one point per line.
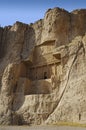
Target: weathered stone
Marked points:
43	70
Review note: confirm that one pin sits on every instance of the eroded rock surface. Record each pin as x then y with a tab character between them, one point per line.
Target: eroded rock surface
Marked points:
43	70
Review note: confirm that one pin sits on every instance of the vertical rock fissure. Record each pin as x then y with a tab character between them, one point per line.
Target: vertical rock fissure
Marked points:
75	58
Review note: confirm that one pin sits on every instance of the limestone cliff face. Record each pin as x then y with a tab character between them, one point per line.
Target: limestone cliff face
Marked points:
43	70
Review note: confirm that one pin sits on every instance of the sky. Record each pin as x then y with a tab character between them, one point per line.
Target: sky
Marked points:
29	11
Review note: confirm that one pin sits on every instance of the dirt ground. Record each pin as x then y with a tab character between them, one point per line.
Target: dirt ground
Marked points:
41	128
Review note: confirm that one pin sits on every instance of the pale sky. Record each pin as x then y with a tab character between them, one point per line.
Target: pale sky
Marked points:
29	11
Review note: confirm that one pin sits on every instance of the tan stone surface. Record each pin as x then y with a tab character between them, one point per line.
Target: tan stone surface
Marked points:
43	70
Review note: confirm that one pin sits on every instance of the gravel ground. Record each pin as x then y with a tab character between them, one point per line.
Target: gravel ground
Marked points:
40	128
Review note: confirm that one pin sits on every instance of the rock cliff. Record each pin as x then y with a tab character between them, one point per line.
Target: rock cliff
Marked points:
43	70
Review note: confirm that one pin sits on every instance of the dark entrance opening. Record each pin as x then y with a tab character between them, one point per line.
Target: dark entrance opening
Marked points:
45	75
